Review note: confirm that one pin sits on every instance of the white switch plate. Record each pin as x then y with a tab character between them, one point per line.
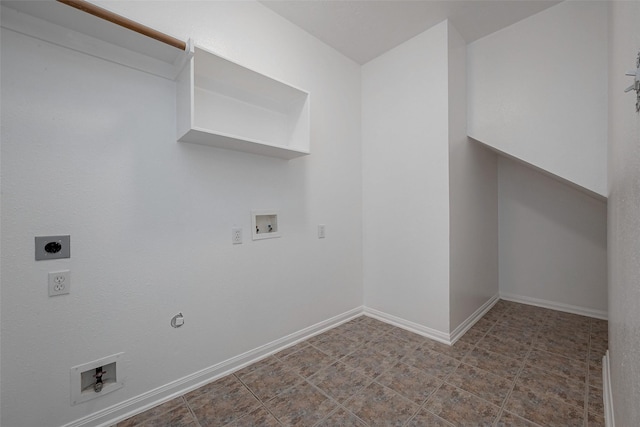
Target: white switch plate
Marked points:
59	282
321	231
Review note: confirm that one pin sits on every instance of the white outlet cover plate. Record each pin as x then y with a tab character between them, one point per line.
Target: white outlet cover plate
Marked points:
59	283
236	235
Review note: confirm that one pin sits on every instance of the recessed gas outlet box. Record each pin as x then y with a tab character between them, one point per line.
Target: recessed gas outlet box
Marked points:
53	247
264	225
108	371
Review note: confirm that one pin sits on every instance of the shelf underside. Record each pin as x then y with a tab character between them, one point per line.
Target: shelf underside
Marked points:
229	142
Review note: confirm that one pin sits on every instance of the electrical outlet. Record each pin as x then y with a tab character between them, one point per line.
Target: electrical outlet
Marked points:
321	231
236	235
59	283
53	247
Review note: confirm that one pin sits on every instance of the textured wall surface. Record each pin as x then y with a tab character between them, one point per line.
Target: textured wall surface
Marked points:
473	201
624	216
553	241
405	181
89	149
538	92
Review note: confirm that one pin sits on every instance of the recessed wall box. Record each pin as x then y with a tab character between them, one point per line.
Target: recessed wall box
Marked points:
108	371
264	225
53	247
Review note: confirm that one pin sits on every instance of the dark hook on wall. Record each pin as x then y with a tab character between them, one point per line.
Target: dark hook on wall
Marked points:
636	83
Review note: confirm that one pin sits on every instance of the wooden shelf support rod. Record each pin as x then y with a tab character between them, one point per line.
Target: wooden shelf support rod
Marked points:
94	10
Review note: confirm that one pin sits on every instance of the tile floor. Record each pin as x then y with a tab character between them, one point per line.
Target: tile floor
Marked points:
518	366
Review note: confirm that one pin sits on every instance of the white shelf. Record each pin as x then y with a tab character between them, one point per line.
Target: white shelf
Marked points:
226	105
57	23
219	102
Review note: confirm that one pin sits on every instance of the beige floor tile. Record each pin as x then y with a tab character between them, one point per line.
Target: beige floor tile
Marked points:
380	406
425	418
495	363
598	325
596	402
483	325
270	381
458	350
259	417
174	412
595	420
595	373
381	375
433	363
413	338
307	361
221	410
542	409
336	346
472	337
522	335
290	350
481	383
507	419
461	408
573	348
391	345
178	417
529	322
369	362
227	400
505	346
410	382
342	418
339	381
300	405
558	365
270	361
554	386
153	413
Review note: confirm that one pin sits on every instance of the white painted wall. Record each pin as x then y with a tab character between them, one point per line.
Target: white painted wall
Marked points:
538	91
473	201
405	181
89	149
624	216
553	241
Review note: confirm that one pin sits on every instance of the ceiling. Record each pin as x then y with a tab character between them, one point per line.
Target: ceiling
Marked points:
364	29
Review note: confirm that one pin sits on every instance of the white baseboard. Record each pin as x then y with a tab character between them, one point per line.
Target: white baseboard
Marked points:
471	320
416	328
567	308
112	415
607	395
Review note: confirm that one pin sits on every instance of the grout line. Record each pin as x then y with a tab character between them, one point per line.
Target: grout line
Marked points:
193	414
587	380
341	405
444	380
412	346
515	380
262	402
